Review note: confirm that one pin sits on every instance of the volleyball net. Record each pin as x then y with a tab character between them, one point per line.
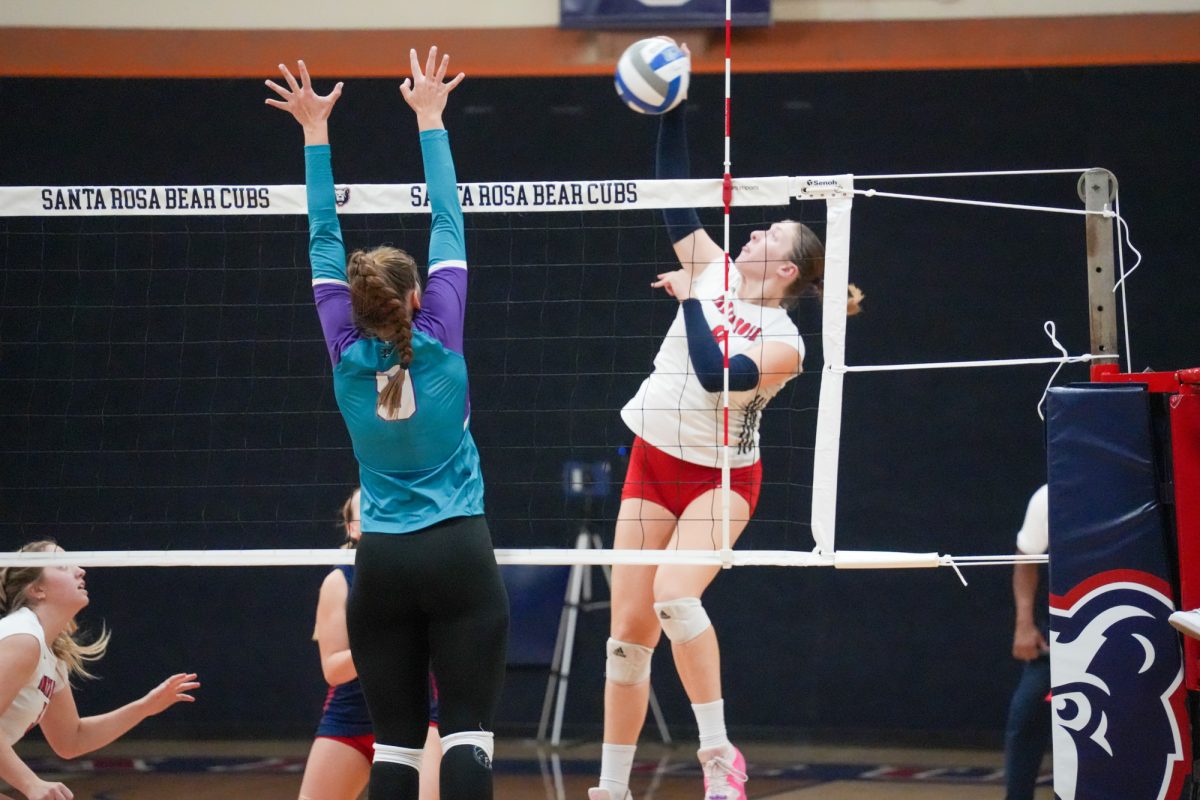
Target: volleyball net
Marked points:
170	399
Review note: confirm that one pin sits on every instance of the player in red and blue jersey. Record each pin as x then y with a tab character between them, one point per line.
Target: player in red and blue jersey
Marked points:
339	762
672	495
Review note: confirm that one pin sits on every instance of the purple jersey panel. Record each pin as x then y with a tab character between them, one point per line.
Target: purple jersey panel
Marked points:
443	306
337	319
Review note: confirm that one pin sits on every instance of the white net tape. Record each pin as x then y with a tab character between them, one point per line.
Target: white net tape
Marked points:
379	198
289	557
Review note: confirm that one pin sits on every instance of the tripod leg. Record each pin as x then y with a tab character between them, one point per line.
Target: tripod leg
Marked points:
555	665
574	588
562	650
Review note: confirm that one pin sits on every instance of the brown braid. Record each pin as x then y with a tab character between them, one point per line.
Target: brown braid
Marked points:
809	256
381	281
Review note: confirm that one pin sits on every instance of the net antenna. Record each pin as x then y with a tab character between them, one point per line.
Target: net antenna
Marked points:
726	198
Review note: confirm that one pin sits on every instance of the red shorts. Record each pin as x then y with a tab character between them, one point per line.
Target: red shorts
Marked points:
674	483
364	744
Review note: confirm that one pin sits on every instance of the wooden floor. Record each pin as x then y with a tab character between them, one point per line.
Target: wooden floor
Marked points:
271	771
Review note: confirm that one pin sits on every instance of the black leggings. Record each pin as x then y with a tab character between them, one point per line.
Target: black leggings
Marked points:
430	599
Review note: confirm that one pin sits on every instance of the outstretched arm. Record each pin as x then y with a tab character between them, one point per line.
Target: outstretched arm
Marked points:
443	306
325	249
693	246
71	736
770	364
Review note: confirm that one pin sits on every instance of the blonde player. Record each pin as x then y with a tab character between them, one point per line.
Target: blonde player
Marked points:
38	655
672	493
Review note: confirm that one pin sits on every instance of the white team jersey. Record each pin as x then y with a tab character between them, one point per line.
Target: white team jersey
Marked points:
1034	537
674	413
49	677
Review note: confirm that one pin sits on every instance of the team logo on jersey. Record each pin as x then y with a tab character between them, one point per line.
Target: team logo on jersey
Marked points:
737	325
341	195
46	686
1117	698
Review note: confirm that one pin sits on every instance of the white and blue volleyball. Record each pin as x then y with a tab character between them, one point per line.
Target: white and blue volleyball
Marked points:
652	76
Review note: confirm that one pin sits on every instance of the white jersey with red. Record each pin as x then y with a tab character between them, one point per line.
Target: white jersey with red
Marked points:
674	413
27	707
1034	537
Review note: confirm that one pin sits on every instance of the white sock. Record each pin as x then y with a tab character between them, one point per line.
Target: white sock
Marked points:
616	762
711	719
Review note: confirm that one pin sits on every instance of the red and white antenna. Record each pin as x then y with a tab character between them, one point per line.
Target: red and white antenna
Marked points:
727	196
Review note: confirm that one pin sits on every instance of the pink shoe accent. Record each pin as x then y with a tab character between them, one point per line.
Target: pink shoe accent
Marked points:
724	775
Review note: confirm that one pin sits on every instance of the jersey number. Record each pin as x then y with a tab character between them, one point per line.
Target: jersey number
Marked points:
408	398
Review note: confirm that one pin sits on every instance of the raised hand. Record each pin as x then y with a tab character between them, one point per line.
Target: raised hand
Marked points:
310	109
681	45
171	691
677	283
425	92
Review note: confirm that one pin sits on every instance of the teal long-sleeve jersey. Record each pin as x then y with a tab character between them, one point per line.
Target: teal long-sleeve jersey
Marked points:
421	467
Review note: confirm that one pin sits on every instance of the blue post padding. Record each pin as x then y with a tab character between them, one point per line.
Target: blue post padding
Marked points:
535	598
1119	726
1104	509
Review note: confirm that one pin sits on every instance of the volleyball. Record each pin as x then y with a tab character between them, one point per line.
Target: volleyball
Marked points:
652	76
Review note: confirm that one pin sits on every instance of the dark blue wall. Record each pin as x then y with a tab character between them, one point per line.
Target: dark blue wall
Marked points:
163	383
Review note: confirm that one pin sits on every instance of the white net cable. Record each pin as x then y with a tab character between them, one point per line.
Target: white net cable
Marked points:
1124	241
983	203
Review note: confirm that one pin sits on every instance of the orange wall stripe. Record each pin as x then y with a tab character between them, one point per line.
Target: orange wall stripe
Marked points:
518	52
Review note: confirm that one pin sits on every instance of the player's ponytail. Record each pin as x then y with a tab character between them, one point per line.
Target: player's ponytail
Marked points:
4	608
808	255
393	393
14	595
381	281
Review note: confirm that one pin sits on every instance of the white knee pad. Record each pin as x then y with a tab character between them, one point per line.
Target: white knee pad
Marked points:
627	663
682	620
483	741
398	755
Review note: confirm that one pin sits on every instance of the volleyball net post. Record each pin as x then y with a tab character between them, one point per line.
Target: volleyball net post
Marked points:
1098	191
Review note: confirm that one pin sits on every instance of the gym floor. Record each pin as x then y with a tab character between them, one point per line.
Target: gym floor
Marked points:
264	770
